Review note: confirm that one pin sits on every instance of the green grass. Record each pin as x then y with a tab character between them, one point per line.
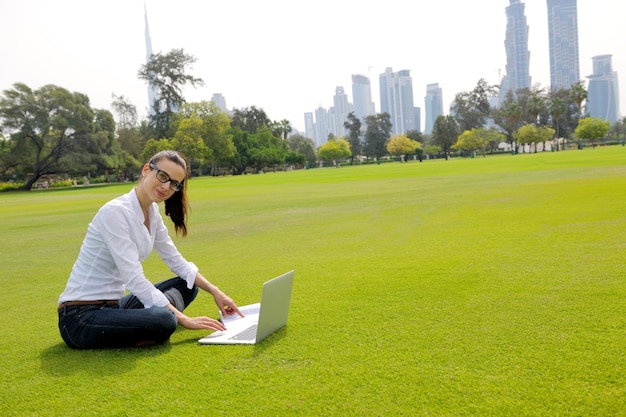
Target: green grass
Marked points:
471	287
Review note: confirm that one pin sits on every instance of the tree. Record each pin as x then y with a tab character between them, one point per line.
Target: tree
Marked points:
213	131
168	74
578	95
335	150
472	108
250	119
126	112
477	140
51	130
528	134
401	145
303	146
509	116
353	126
445	132
592	128
281	129
376	135
557	108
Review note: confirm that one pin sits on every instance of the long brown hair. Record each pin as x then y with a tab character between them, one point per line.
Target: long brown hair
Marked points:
177	206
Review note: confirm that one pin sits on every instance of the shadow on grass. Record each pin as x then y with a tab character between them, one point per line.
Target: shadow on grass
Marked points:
60	360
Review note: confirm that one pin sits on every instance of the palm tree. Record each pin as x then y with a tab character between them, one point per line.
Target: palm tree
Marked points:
557	108
286	127
578	95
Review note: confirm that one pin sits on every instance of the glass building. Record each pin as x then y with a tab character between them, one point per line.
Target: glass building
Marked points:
433	105
517	55
563	35
603	90
396	98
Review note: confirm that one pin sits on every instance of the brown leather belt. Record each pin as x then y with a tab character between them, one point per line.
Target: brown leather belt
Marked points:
88	303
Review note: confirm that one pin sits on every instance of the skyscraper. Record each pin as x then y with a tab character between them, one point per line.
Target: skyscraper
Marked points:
563	34
603	91
517	55
396	98
153	92
362	97
342	107
433	105
220	101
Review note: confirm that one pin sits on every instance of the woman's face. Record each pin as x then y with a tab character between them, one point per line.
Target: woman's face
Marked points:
157	190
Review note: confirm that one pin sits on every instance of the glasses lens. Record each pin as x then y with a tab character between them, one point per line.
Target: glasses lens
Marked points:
174	186
162	176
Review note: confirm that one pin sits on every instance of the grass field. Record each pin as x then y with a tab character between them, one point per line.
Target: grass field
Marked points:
470	287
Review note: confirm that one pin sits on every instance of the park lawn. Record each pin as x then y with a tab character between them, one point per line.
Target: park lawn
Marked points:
470	287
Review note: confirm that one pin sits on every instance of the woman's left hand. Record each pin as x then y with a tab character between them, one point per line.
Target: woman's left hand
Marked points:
226	304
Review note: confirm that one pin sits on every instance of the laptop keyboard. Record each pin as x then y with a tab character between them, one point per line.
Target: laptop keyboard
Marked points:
248	334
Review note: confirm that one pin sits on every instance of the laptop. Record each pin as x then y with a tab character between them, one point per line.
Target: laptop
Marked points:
261	319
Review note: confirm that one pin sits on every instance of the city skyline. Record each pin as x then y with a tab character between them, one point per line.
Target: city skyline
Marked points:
287	64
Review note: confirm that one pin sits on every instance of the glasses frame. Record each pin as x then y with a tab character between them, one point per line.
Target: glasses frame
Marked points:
174	185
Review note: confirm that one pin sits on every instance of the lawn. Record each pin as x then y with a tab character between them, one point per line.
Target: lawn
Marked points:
470	287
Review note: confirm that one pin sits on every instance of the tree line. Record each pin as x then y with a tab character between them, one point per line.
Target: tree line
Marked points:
51	130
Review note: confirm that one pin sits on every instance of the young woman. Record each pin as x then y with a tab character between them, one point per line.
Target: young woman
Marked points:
93	311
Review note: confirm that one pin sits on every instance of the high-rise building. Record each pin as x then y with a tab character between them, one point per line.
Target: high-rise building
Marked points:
396	98
322	126
563	34
517	55
433	105
603	91
362	97
153	92
342	107
219	99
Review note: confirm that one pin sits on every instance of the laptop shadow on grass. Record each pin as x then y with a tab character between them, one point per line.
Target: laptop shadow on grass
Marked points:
61	360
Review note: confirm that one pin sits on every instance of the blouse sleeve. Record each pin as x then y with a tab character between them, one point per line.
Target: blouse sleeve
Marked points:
166	249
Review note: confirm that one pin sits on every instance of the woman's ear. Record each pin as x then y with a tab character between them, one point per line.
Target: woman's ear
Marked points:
145	169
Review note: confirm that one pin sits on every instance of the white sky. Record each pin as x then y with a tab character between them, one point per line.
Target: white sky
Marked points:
286	57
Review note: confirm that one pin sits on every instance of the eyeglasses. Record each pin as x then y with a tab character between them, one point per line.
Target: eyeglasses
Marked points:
164	177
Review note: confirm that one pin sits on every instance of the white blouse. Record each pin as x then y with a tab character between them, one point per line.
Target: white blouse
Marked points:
117	241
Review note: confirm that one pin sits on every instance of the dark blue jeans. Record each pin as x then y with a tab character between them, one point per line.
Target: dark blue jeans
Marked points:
127	324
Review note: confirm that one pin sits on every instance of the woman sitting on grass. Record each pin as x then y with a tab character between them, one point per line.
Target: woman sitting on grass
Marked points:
93	313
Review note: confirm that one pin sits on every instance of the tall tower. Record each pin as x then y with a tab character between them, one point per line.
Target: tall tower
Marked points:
434	106
603	91
153	92
362	97
517	55
396	98
341	110
563	34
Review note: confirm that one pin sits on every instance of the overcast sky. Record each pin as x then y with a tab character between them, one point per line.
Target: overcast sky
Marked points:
286	57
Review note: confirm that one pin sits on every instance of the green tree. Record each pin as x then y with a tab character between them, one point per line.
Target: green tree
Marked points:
213	130
445	132
557	109
250	119
579	94
154	146
168	73
189	140
592	128
401	145
509	116
303	146
51	130
472	108
353	126
265	150
376	135
335	150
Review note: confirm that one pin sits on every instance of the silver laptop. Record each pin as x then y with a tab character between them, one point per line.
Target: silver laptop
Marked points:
261	319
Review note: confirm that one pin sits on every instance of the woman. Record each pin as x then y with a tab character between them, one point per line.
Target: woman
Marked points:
93	313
